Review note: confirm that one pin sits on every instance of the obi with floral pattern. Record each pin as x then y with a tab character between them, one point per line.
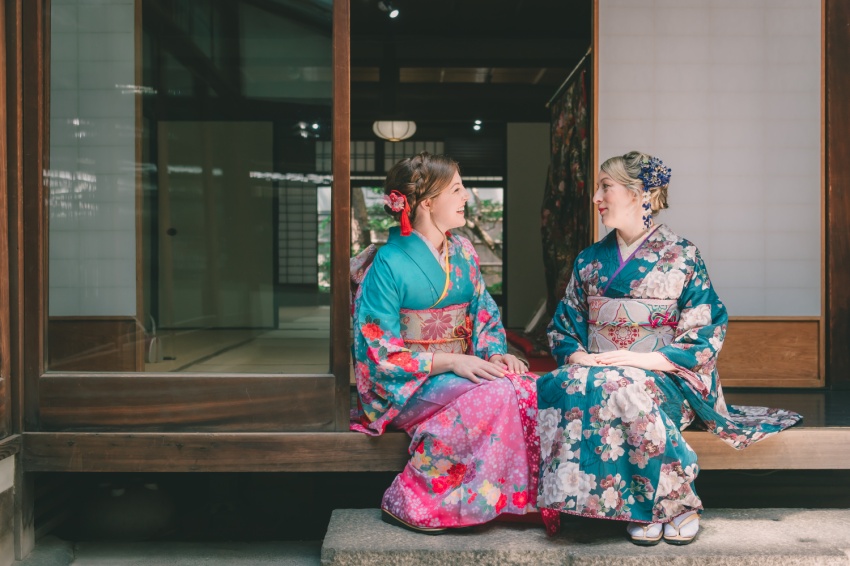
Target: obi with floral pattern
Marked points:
437	330
639	325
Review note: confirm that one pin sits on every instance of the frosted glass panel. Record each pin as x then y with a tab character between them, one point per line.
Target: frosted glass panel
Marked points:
184	216
728	94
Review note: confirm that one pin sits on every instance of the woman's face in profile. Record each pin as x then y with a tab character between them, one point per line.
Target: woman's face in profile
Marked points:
618	206
447	208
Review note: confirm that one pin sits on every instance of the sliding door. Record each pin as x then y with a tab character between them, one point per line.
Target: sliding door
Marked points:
177	149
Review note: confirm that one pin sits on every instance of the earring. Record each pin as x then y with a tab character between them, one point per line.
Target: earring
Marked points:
647	210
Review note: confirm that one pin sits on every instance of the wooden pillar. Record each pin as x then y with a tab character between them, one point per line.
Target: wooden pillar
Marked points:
8	455
837	145
341	209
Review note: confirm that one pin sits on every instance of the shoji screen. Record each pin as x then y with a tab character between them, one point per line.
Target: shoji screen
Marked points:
728	94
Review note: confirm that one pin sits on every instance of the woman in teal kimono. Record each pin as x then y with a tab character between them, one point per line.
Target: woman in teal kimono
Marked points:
636	337
431	359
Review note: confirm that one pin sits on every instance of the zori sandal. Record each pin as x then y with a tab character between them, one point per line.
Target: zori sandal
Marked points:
645	534
683	529
391	519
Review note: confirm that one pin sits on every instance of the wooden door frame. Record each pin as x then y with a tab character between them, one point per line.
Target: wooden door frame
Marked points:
6	426
837	235
12	312
66	401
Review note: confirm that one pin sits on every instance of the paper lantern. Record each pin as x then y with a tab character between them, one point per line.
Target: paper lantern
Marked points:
394	130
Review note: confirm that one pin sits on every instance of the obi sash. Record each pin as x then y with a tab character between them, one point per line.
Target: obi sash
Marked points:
639	325
448	329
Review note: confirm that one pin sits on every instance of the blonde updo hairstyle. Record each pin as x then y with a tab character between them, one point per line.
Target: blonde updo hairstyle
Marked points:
625	170
418	178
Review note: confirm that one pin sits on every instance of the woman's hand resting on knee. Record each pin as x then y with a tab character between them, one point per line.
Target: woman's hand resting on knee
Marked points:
509	362
472	368
584	359
652	361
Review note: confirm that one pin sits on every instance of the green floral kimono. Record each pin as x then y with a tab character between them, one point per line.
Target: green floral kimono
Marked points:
610	436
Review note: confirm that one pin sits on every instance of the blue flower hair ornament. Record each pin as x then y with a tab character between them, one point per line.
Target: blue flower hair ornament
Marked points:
653	173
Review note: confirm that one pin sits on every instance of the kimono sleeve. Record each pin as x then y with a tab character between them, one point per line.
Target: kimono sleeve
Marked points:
387	373
488	334
700	331
568	330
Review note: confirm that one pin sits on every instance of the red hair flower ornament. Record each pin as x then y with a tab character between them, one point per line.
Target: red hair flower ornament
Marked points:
397	202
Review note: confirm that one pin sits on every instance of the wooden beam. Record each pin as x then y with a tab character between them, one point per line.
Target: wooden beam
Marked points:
10	446
444	102
34	86
14	187
837	193
5	323
184	402
341	211
494	51
793	449
200	452
798	448
15	41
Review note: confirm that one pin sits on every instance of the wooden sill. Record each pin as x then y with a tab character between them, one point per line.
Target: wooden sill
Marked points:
797	448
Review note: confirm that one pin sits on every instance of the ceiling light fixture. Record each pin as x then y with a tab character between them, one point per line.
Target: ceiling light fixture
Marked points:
394	130
387	6
303	129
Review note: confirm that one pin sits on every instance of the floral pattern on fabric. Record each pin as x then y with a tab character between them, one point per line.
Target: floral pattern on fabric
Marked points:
608	446
474	447
437	330
610	436
472	460
386	371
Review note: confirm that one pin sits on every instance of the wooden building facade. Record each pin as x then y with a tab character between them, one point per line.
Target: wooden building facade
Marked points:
89	418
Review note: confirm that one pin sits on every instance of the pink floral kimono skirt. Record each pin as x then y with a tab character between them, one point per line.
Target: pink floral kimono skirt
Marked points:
475	452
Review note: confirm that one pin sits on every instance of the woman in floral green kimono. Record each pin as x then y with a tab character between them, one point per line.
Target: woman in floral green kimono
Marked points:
431	359
636	338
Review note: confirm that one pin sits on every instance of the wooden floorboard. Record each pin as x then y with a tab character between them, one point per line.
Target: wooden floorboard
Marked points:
802	448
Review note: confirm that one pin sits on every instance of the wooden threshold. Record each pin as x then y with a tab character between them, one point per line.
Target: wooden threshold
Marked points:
10	446
801	448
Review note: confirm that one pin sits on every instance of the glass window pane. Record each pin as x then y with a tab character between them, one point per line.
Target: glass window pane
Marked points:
485	215
485	210
189	173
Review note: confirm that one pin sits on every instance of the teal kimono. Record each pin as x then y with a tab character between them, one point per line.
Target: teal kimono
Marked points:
610	436
474	446
405	274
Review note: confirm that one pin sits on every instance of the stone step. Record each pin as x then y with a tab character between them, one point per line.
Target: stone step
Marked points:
52	551
740	537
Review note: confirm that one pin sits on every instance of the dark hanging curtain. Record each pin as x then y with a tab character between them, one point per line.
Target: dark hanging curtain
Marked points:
565	215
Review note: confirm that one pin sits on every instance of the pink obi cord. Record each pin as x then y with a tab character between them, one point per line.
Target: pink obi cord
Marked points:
656	320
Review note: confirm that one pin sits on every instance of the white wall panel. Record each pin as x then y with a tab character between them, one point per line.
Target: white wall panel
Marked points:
728	94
